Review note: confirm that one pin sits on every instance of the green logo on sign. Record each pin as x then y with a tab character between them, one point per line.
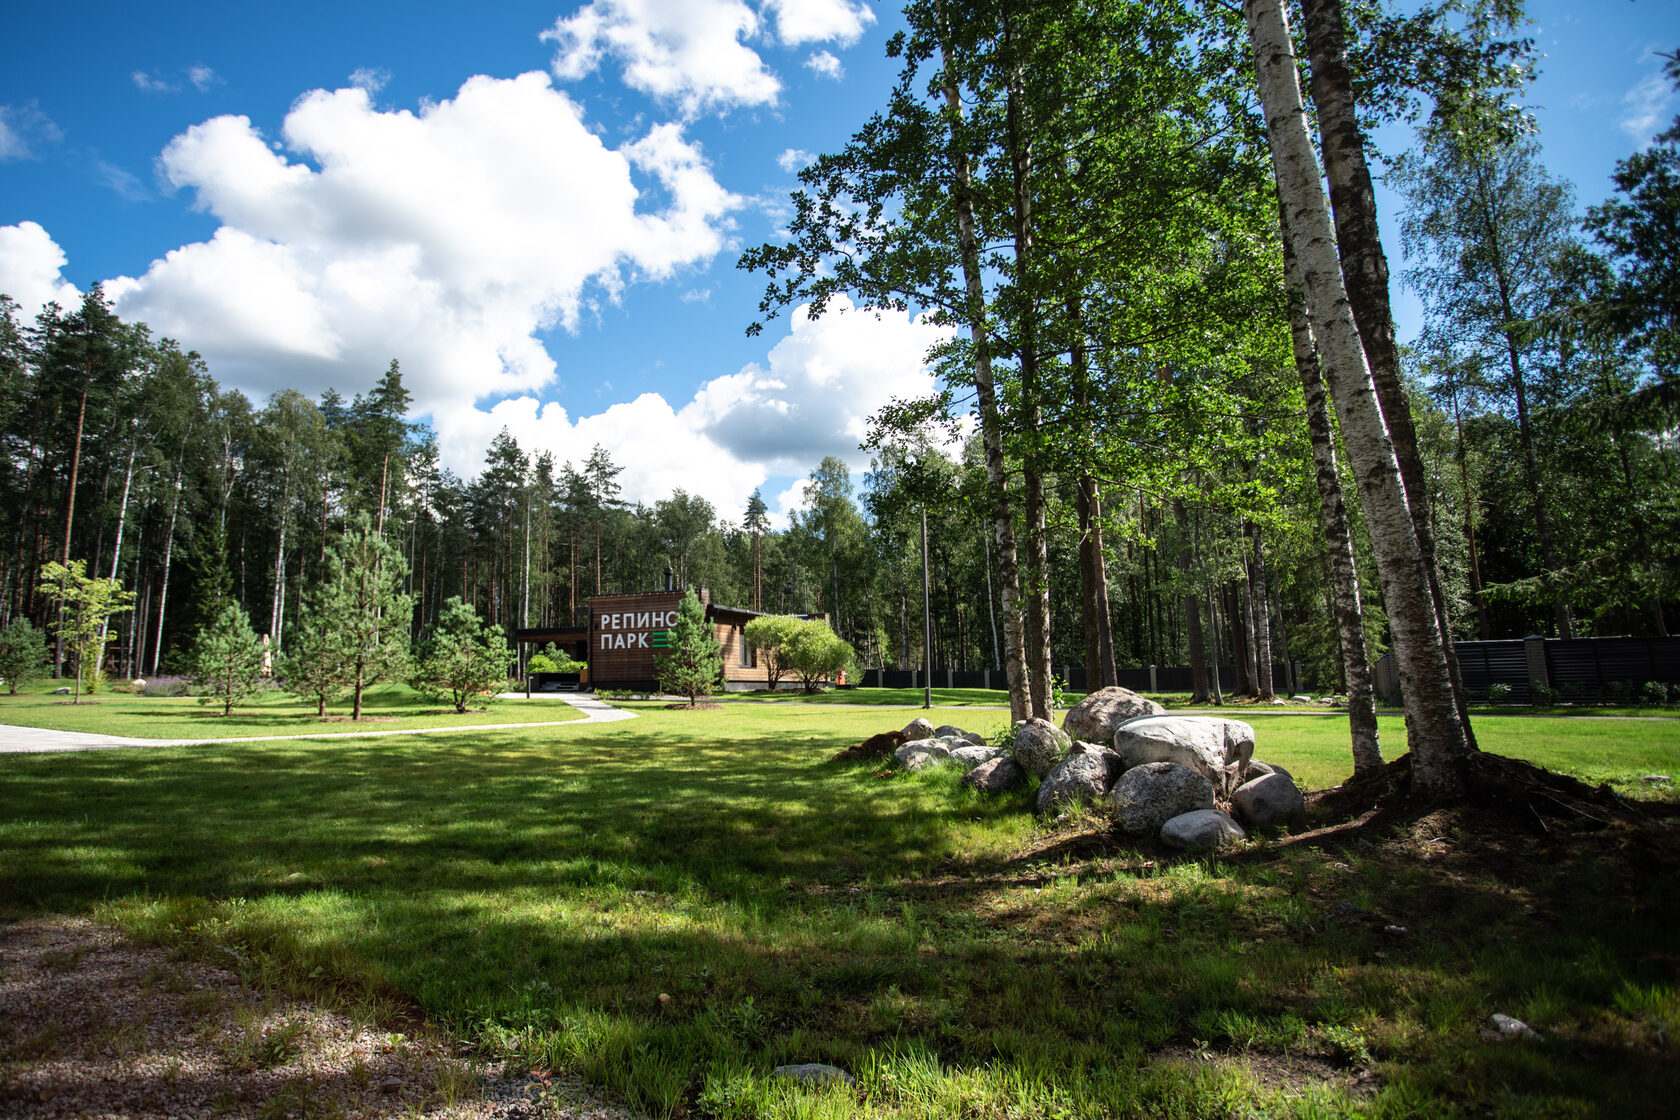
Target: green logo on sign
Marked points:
662	638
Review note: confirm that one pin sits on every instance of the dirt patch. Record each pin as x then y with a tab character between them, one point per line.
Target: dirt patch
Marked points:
694	707
93	1025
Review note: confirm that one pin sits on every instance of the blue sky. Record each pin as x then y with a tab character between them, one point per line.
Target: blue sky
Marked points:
536	207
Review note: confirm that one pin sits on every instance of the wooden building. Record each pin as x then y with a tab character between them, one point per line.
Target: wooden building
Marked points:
617	643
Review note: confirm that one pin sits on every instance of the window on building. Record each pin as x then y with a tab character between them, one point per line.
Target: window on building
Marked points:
746	647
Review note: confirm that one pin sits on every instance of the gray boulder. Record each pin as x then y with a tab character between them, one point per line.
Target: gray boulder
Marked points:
918	728
1149	795
1267	800
1039	745
1200	831
949	731
1096	717
1216	748
1254	768
970	756
919	754
999	774
1079	779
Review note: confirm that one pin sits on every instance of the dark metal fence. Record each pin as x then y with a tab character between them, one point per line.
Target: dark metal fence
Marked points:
1138	678
1580	669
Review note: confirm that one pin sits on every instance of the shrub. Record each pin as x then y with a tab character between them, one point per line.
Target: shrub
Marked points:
1655	694
1499	693
770	636
1542	695
541	663
816	653
164	686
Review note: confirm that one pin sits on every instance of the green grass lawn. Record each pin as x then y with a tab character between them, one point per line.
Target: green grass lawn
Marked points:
540	890
386	707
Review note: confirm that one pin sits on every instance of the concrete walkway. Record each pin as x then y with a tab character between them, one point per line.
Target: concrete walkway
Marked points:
40	740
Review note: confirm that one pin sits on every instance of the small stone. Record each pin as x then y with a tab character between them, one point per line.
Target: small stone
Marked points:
1657	779
815	1073
1397	931
1508	1029
61	691
664	1000
390	1085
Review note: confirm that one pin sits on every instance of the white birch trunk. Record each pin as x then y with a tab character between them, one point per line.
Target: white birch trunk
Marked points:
1435	735
116	549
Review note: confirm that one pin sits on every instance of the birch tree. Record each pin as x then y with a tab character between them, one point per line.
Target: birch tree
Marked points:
1435	734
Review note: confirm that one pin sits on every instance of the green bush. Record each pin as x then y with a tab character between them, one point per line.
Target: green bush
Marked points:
1655	693
1499	693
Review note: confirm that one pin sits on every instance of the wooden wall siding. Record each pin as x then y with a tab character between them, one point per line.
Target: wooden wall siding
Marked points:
621	631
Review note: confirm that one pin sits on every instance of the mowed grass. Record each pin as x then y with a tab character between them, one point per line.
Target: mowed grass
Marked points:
675	905
385	707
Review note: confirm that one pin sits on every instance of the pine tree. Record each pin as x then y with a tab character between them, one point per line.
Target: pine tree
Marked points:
23	654
463	658
363	601
227	659
694	662
313	666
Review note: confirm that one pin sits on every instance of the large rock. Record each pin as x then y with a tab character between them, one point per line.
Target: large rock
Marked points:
1254	768
919	754
1149	795
1039	745
995	776
952	731
1079	779
1200	831
971	756
1099	715
1217	748
1267	800
918	728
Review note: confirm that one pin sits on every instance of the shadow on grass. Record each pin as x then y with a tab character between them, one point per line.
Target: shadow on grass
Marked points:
551	888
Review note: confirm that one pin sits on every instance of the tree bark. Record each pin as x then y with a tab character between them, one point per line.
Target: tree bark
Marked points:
1365	274
991	423
1262	616
1436	734
1197	648
1036	586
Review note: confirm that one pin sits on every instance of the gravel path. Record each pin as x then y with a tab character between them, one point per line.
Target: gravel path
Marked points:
41	740
92	1025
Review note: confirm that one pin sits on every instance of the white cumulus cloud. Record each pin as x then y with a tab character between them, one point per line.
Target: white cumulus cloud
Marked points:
813	398
793	159
447	238
699	55
824	65
820	21
31	270
689	53
823	381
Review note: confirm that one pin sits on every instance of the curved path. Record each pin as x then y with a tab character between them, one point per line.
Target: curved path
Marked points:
40	740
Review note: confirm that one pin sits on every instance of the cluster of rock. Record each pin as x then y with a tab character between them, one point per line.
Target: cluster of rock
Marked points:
1159	775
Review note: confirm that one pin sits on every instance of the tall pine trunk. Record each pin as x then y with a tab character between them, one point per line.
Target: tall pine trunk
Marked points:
985	391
